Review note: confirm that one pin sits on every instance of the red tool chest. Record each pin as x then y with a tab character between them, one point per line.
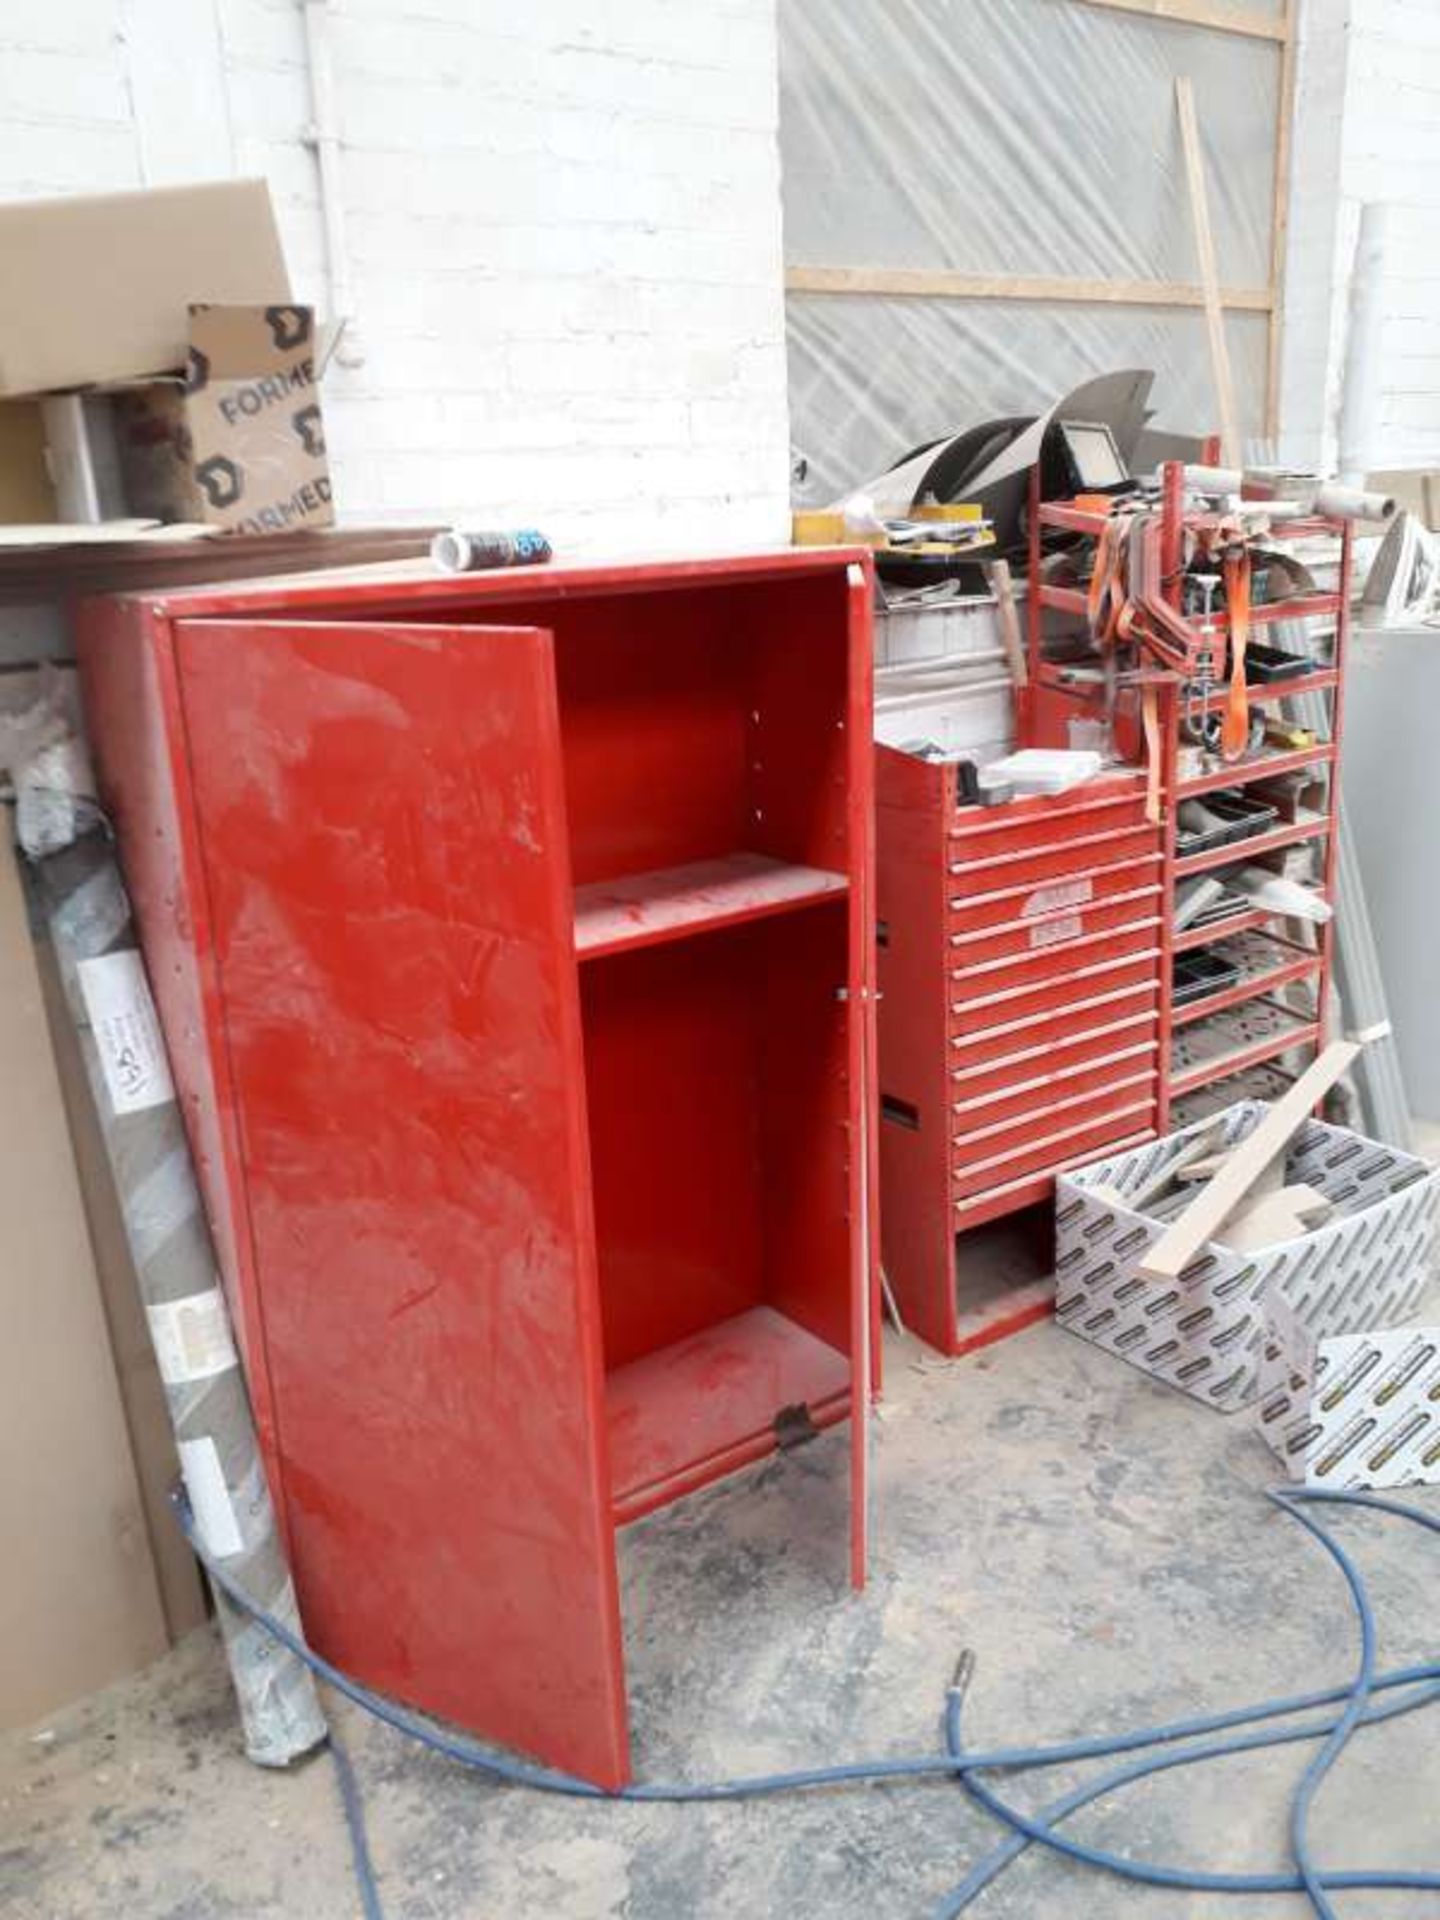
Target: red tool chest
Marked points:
512	936
1019	970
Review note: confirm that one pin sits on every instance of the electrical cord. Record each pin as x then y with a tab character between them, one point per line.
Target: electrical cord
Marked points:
1041	1827
956	1762
1307	1879
353	1806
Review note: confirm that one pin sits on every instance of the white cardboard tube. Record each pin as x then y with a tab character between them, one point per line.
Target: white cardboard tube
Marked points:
1353	503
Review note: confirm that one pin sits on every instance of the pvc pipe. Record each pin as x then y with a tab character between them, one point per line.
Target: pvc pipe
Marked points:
323	137
1214	480
938	696
1353	503
940	664
1364	385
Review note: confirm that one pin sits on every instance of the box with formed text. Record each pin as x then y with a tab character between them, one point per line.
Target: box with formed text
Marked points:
239	443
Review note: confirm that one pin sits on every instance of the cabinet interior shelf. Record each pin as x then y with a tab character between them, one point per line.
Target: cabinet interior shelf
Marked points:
669	903
680	1416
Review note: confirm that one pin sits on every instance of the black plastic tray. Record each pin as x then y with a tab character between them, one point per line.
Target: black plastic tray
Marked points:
1246	815
1267	664
1199	974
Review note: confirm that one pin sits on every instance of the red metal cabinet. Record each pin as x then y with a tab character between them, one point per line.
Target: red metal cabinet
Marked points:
511	936
1019	973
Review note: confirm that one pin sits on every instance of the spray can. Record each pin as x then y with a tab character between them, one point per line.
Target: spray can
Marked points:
461	552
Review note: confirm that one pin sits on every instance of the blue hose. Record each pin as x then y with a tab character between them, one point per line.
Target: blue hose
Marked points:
353	1806
1042	1826
955	1761
1307	1879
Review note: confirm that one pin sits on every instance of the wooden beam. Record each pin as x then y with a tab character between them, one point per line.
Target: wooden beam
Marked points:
937	283
1203	13
1212	1206
1231	448
1280	229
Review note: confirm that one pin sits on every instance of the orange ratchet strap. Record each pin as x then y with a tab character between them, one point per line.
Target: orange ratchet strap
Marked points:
1235	726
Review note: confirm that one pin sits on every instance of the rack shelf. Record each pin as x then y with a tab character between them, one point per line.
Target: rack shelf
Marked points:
669	903
1308	606
1322	680
1264	766
1206	936
1292	835
1064	599
1233	1043
1268	964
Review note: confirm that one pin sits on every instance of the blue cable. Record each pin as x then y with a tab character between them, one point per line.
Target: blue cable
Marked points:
1019	1840
521	1773
955	1761
1307	1879
1324	1760
354	1809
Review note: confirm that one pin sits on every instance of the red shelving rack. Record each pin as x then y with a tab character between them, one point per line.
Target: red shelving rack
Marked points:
1051	700
513	939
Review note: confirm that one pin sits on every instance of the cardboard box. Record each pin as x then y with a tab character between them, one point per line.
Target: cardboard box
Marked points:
1203	1333
97	287
1351	1410
240	442
26	493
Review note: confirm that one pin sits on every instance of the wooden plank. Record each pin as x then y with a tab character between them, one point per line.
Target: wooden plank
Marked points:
1209	276
1212	1206
1280	223
997	574
1220	18
932	283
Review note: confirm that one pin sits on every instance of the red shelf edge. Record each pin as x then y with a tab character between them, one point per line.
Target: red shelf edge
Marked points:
1187	865
1254	988
674	897
1253	1056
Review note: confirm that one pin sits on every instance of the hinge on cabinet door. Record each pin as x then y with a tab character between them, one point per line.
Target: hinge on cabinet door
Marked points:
863	993
793	1426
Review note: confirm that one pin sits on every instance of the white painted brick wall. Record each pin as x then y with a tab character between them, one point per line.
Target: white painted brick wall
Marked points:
564	226
1367	129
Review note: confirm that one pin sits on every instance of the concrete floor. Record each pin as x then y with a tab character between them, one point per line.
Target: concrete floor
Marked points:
1103	1544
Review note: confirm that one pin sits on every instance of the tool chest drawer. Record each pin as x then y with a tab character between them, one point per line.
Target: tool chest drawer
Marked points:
1031	1087
1063	961
1059	928
973	1143
1062	1009
1019	1018
976	1174
1021	903
1057	860
972	1078
987	833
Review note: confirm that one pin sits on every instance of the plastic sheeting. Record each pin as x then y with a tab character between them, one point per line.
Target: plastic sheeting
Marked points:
1034	137
872	377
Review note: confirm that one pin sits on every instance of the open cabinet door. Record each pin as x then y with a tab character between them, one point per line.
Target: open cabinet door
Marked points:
381	827
864	1066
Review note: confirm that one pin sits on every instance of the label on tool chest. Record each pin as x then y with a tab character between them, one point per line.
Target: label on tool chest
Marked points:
1050	933
1065	893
